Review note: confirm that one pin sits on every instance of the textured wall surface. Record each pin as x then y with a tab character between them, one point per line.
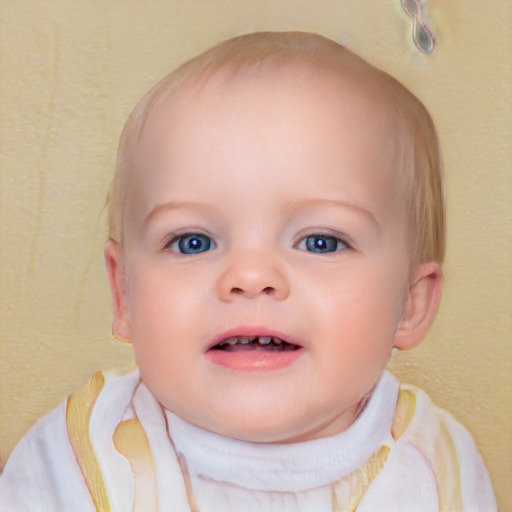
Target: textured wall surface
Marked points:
71	71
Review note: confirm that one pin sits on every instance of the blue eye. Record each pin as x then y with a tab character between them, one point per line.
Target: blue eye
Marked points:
193	243
321	244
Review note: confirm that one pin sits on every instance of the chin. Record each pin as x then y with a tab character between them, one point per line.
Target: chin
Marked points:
258	429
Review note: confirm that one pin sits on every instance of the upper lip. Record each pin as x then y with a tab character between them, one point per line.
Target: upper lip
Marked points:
250	332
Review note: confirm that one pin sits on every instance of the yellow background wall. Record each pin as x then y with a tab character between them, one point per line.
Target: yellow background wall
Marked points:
70	73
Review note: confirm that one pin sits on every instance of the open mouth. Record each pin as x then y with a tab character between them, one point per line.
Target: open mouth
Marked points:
254	343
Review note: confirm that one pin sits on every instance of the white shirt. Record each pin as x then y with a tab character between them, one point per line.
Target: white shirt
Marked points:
379	463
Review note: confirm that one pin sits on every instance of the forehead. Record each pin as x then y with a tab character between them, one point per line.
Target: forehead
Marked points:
288	90
314	114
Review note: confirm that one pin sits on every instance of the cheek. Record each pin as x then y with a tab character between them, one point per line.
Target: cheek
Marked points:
151	304
364	290
362	309
166	311
157	289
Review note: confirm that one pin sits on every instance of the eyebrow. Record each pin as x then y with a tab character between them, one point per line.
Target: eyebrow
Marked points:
294	205
173	205
312	203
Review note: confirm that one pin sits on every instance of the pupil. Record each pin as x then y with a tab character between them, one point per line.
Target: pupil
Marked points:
321	244
194	244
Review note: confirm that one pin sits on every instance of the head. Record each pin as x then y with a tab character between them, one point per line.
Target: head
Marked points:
277	227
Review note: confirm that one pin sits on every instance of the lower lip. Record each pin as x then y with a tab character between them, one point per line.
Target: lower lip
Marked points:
254	360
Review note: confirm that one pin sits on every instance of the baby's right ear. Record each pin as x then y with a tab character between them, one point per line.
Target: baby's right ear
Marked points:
114	261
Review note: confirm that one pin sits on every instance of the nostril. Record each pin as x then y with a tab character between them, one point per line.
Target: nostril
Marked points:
269	290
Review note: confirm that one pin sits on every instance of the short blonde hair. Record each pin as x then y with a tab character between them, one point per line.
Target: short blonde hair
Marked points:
422	179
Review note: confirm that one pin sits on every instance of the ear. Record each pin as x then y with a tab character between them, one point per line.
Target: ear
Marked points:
114	261
421	305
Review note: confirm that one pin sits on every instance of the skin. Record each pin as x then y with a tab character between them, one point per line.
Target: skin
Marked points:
258	164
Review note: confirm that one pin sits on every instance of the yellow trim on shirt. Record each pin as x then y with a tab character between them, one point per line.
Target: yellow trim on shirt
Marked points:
78	414
447	472
405	407
131	441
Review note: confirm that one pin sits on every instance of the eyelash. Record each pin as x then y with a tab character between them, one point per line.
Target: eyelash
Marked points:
316	243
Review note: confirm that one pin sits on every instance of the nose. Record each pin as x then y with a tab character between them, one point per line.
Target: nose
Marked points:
249	276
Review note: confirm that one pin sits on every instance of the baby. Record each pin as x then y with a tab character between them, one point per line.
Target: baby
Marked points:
276	228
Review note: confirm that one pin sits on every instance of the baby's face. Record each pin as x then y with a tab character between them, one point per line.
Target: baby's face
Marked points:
267	257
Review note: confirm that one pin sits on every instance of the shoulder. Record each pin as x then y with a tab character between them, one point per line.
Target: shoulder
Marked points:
41	472
44	472
433	464
450	449
460	477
